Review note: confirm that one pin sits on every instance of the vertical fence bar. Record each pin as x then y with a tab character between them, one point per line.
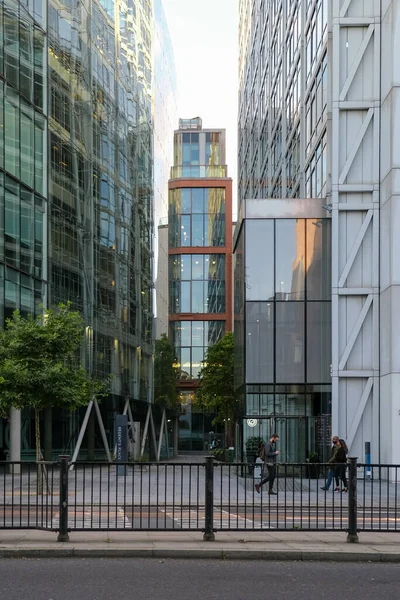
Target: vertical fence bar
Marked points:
209	501
63	525
352	536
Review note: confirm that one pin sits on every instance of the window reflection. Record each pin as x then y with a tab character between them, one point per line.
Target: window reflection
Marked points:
318	277
290	259
197	217
259	256
191	339
259	342
197	283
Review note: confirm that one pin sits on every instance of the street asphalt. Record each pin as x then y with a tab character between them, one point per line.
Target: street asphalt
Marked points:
143	579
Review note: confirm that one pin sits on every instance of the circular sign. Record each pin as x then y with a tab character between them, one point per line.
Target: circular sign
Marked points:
251	422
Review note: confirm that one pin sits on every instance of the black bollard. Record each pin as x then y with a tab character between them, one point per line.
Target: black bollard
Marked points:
209	535
63	526
352	536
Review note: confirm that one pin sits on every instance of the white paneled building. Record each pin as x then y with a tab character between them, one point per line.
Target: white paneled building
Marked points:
319	117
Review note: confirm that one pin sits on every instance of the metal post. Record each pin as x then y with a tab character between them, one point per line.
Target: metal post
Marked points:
63	525
209	504
352	536
15	440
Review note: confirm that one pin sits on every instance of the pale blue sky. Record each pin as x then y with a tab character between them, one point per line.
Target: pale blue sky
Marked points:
204	36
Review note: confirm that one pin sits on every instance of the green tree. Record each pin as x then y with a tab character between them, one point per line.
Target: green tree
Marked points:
40	367
216	389
165	374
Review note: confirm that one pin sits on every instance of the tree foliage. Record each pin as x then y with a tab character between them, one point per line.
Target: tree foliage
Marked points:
165	374
39	364
216	390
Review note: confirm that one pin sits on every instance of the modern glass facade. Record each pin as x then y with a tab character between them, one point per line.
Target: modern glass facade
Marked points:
283	329
165	118
76	169
200	263
282	133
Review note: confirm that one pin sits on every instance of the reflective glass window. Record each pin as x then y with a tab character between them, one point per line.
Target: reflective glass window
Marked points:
259	257
290	343
290	259
318	271
259	342
319	325
198	200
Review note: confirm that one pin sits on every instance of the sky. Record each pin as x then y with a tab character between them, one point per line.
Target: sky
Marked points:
204	35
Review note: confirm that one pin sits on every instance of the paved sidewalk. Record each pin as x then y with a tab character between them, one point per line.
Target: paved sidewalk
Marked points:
304	546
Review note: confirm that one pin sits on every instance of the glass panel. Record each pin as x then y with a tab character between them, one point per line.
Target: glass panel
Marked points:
318	259
27	146
290	255
289	342
27	231
259	342
185	230
318	342
198	333
11	299
27	304
186	332
11	118
267	404
197	361
12	223
186	200
197	297
197	230
1	108
198	200
215	225
185	363
259	256
185	297
40	154
253	404
197	266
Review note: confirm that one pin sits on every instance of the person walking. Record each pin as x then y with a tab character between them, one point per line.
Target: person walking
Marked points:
341	460
338	461
332	469
270	454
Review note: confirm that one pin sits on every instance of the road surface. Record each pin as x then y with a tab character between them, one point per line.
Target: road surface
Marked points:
175	517
152	579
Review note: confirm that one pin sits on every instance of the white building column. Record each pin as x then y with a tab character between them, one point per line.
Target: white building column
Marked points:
355	62
390	241
15	438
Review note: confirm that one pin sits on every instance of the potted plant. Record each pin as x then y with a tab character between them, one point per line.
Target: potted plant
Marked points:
253	444
313	466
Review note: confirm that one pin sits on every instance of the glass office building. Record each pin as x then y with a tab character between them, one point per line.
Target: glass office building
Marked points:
165	119
283	79
283	324
76	169
200	264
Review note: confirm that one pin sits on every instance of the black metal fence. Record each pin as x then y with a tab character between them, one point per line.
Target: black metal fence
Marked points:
208	497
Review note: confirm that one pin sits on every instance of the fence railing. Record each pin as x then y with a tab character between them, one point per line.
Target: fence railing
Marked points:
207	497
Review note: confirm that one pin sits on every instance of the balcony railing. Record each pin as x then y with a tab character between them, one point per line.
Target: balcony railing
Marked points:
205	171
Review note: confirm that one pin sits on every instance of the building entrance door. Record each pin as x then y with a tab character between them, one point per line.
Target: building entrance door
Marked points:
293	442
293	435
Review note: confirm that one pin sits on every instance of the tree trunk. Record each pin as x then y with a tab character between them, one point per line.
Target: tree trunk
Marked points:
38	453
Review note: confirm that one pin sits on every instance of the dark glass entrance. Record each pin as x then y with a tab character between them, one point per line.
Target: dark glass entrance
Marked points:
298	436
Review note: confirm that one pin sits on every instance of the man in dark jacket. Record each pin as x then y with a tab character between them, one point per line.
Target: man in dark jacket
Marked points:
270	454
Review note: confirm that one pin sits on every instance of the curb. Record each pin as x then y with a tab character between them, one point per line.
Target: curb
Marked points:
217	553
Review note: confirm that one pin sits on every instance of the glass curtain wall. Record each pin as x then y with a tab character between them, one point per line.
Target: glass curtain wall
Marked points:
282	125
76	172
287	330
